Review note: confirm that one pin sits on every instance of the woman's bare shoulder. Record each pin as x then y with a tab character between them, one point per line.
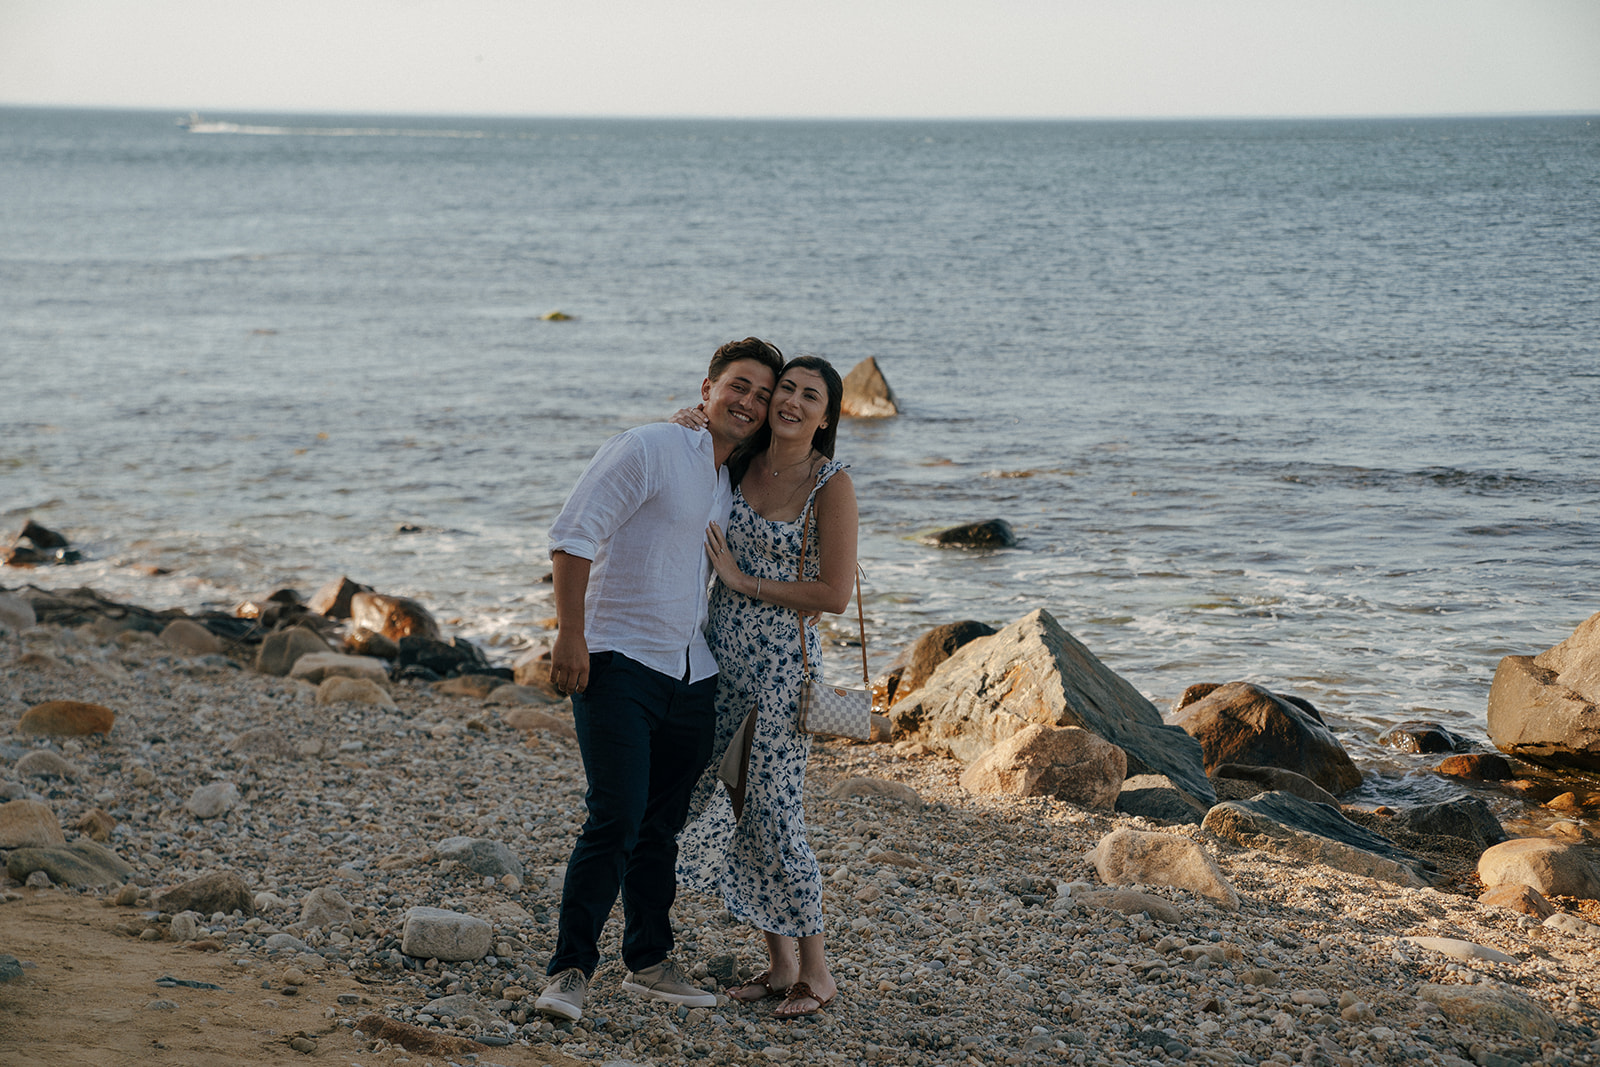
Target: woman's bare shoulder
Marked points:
837	490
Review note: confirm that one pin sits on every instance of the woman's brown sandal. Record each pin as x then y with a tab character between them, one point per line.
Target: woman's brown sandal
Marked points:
760	981
798	992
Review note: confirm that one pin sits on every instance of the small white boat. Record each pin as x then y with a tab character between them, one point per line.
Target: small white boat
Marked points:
195	124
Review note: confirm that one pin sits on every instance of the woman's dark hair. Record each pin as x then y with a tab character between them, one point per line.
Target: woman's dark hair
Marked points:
822	441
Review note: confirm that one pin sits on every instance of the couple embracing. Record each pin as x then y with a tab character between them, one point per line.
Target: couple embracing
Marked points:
744	486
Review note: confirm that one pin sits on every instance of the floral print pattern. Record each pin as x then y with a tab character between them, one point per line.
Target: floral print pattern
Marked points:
761	864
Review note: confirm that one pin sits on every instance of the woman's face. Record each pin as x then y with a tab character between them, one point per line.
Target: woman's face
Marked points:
799	405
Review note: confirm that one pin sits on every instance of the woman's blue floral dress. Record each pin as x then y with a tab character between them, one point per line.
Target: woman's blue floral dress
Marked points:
761	865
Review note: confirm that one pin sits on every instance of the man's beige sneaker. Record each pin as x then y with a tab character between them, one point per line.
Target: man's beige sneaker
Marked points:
563	997
665	981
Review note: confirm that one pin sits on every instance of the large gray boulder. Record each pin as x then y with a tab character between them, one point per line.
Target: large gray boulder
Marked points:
1543	708
1033	671
1294	826
1244	723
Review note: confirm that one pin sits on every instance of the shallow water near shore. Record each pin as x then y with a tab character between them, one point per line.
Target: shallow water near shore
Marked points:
1304	403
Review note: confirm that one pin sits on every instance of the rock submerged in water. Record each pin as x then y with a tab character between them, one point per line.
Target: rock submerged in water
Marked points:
1418	735
36	545
990	533
1477	767
1243	723
1543	708
40	536
867	394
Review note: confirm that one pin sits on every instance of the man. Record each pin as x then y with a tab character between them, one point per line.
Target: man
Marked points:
630	573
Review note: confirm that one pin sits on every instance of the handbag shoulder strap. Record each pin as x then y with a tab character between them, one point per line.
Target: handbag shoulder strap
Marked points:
861	619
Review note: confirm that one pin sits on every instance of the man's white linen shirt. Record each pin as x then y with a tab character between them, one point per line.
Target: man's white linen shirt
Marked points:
639	513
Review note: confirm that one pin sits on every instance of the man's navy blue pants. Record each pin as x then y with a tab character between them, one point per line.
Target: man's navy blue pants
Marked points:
645	738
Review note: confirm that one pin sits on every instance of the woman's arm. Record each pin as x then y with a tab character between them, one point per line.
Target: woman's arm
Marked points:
694	418
837	520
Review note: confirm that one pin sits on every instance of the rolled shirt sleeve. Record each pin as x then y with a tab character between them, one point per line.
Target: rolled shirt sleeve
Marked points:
608	493
639	514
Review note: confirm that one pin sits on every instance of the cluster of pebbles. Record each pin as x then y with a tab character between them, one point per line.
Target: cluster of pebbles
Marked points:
962	929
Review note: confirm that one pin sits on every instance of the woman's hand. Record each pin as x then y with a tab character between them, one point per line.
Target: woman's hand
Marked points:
722	560
694	418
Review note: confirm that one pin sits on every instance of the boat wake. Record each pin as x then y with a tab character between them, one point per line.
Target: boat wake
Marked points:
195	124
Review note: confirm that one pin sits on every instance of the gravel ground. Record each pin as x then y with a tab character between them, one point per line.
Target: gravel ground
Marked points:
957	927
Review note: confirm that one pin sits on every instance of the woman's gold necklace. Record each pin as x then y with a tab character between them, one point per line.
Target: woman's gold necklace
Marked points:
776	470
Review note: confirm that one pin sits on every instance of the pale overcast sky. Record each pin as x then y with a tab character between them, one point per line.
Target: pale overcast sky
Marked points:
828	58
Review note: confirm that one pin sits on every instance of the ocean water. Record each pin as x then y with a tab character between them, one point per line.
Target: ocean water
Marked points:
1311	404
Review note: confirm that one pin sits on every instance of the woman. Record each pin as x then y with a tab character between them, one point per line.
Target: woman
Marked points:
788	487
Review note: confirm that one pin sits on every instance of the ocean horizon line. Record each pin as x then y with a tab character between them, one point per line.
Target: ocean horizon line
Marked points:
211	112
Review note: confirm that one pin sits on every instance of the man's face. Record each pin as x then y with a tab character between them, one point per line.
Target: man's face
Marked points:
736	402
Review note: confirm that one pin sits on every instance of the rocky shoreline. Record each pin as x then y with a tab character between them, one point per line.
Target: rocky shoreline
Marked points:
965	927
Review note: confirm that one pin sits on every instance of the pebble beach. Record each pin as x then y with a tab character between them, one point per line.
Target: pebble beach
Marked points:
962	928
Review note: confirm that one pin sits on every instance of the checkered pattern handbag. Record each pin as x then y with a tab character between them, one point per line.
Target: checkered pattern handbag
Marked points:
833	710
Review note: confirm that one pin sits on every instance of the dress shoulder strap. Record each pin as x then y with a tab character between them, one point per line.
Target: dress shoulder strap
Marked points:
829	469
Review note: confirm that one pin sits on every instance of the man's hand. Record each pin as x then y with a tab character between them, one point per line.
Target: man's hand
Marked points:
569	663
569	660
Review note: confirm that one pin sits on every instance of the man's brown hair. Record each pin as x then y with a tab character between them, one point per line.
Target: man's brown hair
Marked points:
755	348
